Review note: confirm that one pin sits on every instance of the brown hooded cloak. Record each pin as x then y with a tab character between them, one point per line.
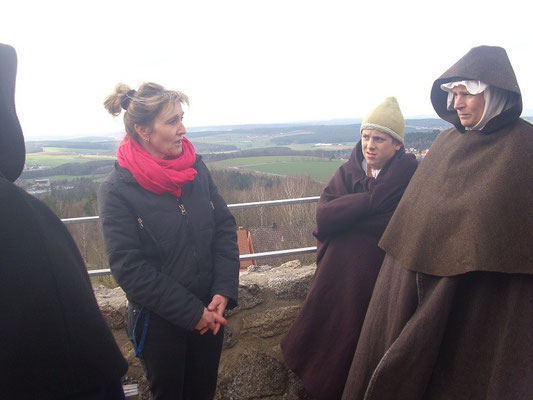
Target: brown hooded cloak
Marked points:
473	192
351	216
451	316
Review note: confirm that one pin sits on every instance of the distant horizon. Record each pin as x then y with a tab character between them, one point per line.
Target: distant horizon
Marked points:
528	114
200	128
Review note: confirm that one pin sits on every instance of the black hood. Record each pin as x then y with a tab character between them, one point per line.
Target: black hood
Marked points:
487	64
12	150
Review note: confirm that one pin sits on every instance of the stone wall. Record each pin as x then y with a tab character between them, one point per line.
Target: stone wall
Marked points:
251	365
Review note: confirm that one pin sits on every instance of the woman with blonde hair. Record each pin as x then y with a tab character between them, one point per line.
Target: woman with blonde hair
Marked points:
171	242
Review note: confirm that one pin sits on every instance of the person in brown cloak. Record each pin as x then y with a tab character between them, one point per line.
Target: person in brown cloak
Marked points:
352	213
451	316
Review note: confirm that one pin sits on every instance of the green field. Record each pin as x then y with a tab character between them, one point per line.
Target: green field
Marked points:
53	160
75	151
94	178
242	142
311	146
315	167
256	142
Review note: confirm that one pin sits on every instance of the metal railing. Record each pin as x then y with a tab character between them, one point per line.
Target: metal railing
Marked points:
238	206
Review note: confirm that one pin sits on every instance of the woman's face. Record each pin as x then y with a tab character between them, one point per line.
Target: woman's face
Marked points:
163	140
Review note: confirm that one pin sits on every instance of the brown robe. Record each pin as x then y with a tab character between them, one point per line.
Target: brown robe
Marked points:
425	337
351	216
451	316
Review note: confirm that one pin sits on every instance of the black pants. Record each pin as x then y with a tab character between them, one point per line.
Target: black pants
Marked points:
179	364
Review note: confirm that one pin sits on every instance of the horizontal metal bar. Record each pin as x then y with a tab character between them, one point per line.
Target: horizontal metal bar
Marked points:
269	254
267	203
99	272
253	256
237	206
79	220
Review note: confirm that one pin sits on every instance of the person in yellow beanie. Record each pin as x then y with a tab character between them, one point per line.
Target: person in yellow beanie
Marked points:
354	209
382	134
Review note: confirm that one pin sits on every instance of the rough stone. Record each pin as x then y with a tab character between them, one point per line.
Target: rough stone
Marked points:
288	281
259	268
229	339
291	264
250	295
269	323
254	376
112	303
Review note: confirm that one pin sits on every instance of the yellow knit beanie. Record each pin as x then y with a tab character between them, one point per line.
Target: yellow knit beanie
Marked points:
386	118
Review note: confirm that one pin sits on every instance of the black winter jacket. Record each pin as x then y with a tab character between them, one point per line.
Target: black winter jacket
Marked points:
55	342
170	255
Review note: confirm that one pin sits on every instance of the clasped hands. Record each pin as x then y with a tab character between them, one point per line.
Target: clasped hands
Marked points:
212	317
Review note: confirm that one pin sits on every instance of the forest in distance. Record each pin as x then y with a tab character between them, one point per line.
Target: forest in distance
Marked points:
295	221
48	158
241	137
260	168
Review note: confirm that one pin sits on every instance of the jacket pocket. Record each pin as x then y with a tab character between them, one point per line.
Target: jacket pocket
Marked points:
150	246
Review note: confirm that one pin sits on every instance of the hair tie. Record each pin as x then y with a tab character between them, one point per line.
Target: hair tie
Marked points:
126	101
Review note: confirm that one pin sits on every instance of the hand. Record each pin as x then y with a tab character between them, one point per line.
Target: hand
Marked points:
218	305
210	320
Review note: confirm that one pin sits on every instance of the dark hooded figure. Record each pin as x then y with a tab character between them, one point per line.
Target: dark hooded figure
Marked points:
451	316
352	214
55	343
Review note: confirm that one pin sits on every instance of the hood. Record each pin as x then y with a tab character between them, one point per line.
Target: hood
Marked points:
490	65
12	150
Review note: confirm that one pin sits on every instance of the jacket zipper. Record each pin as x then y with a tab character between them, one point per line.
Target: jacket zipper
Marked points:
152	237
145	228
190	236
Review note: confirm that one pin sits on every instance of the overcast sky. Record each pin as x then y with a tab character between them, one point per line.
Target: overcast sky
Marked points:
248	61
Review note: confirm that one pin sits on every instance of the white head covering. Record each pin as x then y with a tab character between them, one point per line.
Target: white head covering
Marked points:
495	99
